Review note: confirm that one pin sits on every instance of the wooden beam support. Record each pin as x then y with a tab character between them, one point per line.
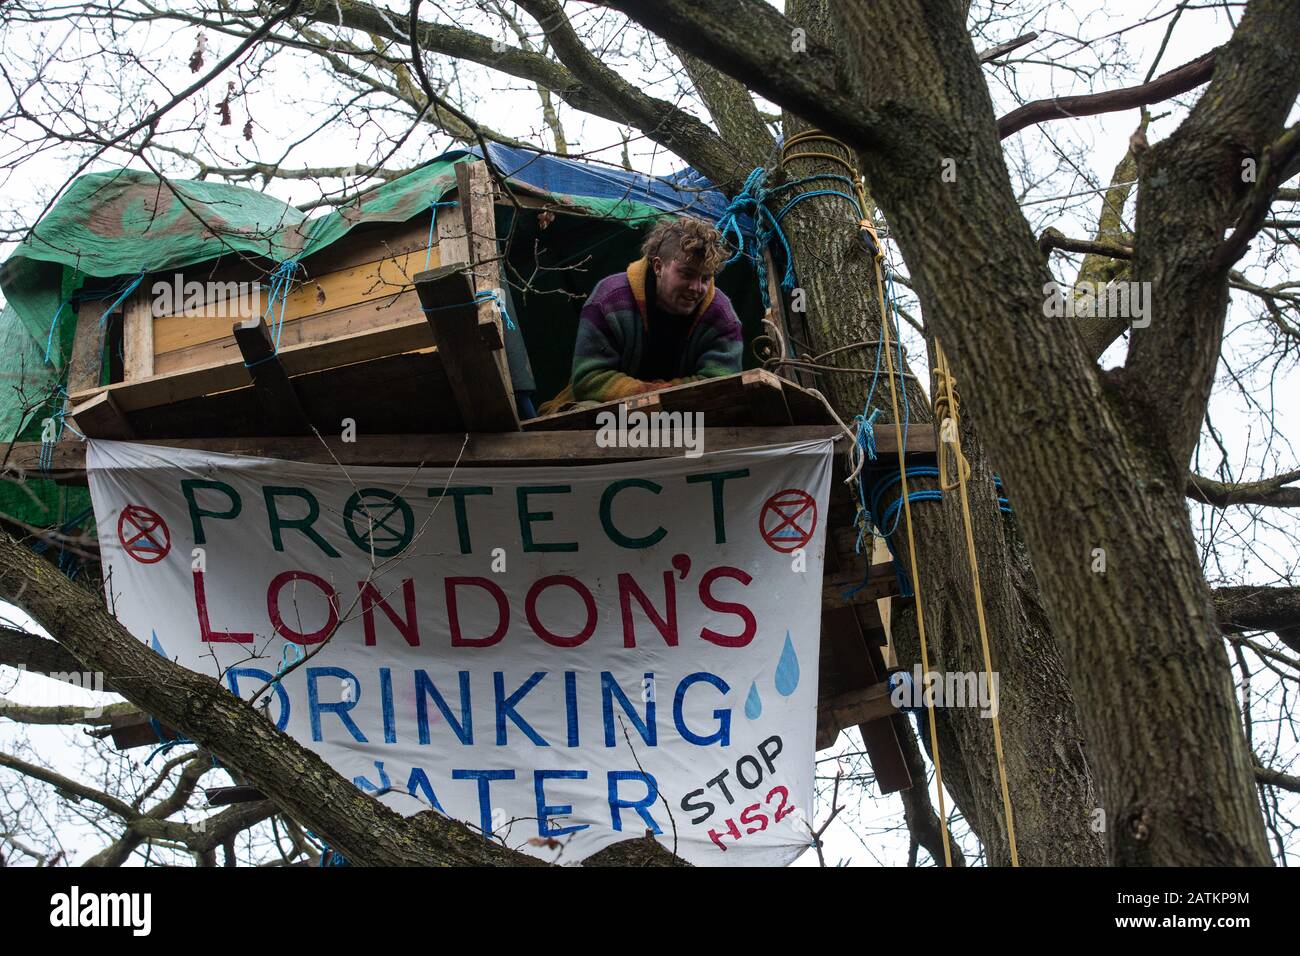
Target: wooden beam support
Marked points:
86	363
129	731
224	796
137	337
284	414
881	582
477	375
103	417
861	706
430	451
301	359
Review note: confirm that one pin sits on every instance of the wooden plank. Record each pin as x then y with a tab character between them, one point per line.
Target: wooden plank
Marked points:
129	731
370	241
474	180
225	796
860	706
320	327
137	336
405	393
780	315
857	665
405	336
479	382
453	232
86	363
382	280
102	417
725	400
805	407
284	414
881	582
483	450
766	398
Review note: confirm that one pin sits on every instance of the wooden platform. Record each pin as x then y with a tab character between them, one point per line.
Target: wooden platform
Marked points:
754	397
367	338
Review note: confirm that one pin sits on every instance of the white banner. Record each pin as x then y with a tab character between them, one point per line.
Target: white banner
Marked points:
565	657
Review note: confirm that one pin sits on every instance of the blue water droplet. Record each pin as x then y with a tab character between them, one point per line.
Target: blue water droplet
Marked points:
787	669
753	704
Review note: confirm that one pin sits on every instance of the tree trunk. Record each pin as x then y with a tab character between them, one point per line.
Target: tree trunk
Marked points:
1145	661
1053	798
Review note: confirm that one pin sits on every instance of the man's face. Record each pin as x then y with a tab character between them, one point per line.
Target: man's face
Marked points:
679	286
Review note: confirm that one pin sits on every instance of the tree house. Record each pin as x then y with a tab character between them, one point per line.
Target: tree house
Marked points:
398	331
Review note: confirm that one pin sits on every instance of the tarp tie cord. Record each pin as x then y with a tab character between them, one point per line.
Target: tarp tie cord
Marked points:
122	291
492	295
131	287
433	224
281	281
49	341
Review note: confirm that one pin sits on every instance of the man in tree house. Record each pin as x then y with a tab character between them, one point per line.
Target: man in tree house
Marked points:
662	322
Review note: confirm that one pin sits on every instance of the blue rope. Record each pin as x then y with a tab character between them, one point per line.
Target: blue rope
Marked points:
484	296
49	342
752	200
122	291
164	744
60	397
328	857
280	282
287	660
433	224
131	287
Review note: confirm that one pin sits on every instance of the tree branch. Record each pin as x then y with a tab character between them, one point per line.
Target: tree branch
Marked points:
363	829
1270	491
659	119
63	715
1179	80
1270	175
69	786
753	42
1273	778
1276	609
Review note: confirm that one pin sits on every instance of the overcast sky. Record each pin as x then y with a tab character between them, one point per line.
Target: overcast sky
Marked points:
287	102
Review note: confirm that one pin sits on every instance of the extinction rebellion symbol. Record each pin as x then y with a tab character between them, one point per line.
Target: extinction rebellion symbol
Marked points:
143	534
788	520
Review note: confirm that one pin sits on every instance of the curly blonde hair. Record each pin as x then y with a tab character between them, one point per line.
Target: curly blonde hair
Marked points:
690	240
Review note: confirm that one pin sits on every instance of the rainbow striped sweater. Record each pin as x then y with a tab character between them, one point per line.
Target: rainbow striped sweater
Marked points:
612	335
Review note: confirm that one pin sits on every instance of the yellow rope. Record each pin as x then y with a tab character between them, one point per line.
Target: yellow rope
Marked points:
949	401
911	542
946	410
946	414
